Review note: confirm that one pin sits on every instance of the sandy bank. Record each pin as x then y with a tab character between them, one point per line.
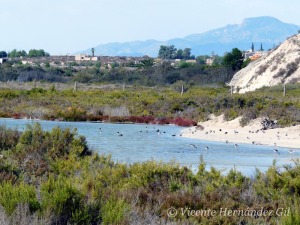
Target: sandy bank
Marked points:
216	129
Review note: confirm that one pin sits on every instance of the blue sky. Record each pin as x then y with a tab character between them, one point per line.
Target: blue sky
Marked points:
67	26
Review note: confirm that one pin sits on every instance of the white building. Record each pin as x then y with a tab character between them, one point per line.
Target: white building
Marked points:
84	57
2	60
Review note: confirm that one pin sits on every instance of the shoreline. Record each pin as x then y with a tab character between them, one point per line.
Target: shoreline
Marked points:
178	121
230	132
105	121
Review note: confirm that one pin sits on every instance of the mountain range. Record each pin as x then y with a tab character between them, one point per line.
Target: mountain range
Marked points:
266	31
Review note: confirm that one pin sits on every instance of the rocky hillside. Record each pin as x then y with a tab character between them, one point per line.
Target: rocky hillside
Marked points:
279	66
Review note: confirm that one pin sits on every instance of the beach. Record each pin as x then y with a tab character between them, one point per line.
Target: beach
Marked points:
231	132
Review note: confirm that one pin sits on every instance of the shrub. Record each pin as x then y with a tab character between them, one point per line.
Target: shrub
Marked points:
280	73
59	196
249	115
12	195
114	211
274	68
230	114
8	138
37	149
262	69
73	114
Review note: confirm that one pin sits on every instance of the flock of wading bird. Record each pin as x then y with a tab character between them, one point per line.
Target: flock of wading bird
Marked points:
199	128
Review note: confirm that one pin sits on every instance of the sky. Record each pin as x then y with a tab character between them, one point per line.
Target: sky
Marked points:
63	27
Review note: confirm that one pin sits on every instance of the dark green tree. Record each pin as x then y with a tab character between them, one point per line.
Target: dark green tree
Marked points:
179	54
3	54
234	59
16	54
186	53
261	47
37	53
217	60
201	59
167	52
149	62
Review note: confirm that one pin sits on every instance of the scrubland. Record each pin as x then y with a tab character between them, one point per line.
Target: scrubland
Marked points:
52	177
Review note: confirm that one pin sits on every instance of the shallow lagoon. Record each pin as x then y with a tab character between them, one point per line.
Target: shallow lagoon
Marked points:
141	142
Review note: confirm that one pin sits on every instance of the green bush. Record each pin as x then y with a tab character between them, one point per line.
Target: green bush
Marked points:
8	138
13	195
114	211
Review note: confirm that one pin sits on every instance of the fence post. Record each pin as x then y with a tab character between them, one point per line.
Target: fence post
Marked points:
75	86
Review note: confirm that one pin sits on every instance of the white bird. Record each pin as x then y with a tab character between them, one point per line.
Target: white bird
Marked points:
193	146
206	148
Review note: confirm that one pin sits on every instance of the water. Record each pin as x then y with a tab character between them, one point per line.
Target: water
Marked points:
141	142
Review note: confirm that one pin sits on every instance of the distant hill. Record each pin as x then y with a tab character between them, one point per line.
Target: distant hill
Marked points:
266	30
279	66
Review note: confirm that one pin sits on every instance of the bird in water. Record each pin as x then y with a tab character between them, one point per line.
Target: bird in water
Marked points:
291	151
276	151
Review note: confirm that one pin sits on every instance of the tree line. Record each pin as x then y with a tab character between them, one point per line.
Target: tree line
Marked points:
170	52
233	59
22	53
147	72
